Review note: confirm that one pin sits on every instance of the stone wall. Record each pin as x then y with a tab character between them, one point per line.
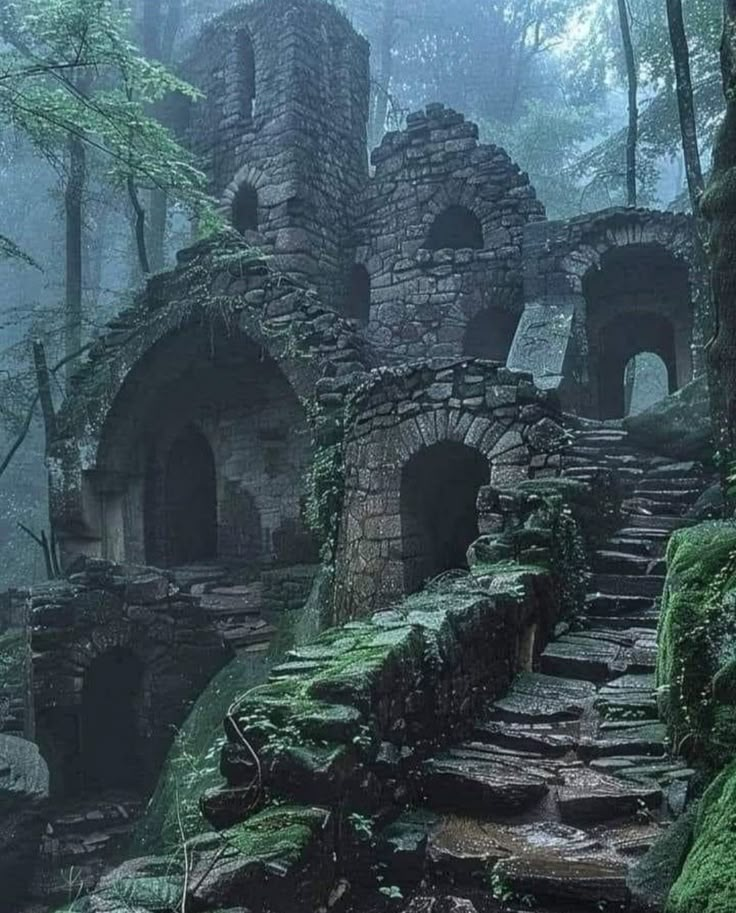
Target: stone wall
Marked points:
478	418
129	616
227	346
423	299
283	118
601	288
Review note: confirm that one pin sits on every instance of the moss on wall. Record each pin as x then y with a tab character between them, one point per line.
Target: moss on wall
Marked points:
697	642
193	763
707	883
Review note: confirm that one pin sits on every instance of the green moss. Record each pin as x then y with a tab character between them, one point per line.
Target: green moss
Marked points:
193	763
697	641
282	832
707	883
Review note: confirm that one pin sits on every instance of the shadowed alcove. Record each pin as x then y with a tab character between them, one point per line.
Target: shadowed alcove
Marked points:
358	302
489	334
245	209
191	499
456	227
110	742
439	519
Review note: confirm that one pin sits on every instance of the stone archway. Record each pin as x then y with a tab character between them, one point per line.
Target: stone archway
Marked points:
110	751
439	520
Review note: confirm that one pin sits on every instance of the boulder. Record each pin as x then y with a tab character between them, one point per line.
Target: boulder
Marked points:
678	426
24	791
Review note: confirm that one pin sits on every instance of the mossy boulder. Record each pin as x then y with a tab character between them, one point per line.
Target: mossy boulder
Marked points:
678	426
696	675
707	883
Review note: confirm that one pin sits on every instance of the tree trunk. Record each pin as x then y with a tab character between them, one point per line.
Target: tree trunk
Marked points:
719	208
73	199
685	103
632	135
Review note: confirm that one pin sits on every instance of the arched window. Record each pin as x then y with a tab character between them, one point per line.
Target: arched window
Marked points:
245	209
190	500
489	335
439	518
456	227
109	730
358	304
245	70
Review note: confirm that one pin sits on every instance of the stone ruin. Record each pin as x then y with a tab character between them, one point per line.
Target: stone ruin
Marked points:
360	371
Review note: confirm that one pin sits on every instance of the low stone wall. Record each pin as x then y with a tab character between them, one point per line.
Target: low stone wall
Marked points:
106	610
286	589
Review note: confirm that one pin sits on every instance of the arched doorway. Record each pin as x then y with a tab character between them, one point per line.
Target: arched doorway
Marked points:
109	729
190	499
457	227
358	303
638	300
439	519
489	334
245	209
646	382
622	340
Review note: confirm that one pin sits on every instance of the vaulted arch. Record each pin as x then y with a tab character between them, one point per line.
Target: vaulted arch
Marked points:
456	227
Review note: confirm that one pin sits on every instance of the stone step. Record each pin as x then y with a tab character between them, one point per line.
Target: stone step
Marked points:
625	738
481	787
547	739
689	484
599	655
637	506
535	697
553	875
643	619
646	534
615	562
590	797
613	604
635	545
628	697
666	524
677	471
650	585
685	497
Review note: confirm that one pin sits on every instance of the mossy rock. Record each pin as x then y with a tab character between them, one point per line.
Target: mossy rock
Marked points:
678	426
697	642
707	883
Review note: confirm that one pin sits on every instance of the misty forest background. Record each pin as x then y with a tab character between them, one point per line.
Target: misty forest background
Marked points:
96	193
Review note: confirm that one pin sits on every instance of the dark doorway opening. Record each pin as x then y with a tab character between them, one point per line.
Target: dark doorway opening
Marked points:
191	500
646	382
439	518
620	341
456	227
245	209
489	335
110	743
358	303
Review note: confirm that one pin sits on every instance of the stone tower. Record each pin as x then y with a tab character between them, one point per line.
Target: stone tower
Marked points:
281	131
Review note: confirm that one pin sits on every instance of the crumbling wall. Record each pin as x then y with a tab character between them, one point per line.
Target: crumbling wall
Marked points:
422	299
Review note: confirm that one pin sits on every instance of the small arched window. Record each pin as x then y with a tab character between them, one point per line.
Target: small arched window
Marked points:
457	227
358	303
245	209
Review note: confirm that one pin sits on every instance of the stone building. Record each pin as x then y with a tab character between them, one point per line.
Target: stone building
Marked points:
421	319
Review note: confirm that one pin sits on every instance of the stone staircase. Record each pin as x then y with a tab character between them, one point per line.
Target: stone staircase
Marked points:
84	839
235	608
568	778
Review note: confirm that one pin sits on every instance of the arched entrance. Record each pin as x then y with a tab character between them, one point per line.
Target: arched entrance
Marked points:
638	300
109	736
622	340
439	520
646	382
190	500
245	209
456	227
489	334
